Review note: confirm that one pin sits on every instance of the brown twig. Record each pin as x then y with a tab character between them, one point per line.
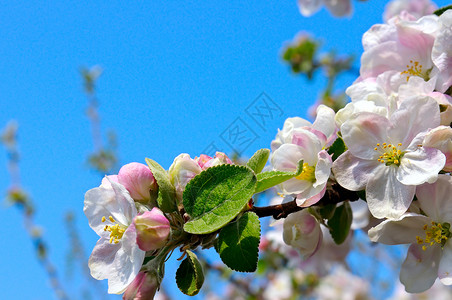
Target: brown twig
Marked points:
333	195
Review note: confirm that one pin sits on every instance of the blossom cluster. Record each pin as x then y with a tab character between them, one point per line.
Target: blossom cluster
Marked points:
123	212
397	148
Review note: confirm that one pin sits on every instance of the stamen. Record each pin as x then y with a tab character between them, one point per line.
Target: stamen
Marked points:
437	233
307	174
390	154
415	69
116	231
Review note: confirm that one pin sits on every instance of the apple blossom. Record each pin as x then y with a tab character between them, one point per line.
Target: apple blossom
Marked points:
310	186
153	229
182	170
430	253
386	156
302	231
138	180
110	211
442	52
402	45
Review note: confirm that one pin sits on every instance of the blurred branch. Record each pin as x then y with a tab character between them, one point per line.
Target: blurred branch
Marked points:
19	198
104	158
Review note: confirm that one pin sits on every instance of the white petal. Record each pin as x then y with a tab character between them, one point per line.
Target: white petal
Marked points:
420	268
362	133
422	165
445	265
127	263
324	120
401	231
322	168
386	196
286	157
353	173
416	114
102	258
104	202
309	7
435	199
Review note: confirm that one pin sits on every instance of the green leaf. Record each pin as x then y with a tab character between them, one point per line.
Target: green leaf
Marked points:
340	223
258	160
238	243
189	275
337	148
327	211
269	179
167	194
216	196
440	11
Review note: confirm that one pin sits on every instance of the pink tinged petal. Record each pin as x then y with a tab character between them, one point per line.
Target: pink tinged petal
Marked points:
420	268
360	214
295	186
127	263
102	258
386	196
353	173
286	157
104	202
435	199
441	139
414	115
153	229
106	181
310	143
401	231
420	166
442	53
445	265
322	169
310	196
203	159
126	209
138	180
324	121
302	231
143	287
362	133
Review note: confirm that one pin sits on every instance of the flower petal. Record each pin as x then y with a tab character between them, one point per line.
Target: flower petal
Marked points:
420	268
420	166
445	265
401	231
353	173
386	196
435	199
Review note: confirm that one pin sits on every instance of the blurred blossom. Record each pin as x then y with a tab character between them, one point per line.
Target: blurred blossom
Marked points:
361	214
342	285
416	8
279	286
338	8
9	134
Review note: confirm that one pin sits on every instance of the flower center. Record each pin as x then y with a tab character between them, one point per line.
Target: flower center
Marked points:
389	154
436	233
415	69
116	231
307	174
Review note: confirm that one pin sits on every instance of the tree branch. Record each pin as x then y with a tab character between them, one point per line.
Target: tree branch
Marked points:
333	195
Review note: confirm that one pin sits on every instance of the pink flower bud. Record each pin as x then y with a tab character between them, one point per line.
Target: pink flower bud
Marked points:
153	229
138	180
441	139
143	287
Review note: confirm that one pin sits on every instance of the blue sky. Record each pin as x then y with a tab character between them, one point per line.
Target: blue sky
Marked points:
176	75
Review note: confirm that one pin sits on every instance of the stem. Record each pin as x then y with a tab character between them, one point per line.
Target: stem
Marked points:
334	195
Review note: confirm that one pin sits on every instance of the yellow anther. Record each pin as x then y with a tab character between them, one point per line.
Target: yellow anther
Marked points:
111	219
104	219
436	233
307	174
390	154
415	69
116	230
